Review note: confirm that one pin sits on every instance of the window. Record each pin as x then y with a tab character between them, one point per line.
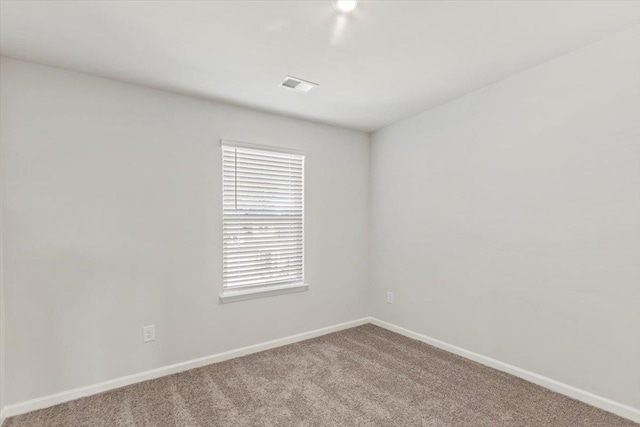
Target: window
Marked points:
263	221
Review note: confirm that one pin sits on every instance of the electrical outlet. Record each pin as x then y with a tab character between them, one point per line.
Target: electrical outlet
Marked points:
148	333
389	297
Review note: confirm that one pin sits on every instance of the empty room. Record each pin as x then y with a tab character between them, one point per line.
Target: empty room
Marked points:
319	213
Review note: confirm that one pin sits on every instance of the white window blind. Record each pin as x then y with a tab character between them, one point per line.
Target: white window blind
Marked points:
263	199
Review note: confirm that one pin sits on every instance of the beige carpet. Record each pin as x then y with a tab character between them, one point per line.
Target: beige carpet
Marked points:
365	376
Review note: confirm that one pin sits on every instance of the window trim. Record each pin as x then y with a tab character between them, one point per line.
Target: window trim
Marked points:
229	295
233	295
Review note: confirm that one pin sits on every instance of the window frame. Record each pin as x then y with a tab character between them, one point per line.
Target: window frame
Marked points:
231	294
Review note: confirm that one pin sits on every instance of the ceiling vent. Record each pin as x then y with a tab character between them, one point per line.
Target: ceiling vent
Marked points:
297	84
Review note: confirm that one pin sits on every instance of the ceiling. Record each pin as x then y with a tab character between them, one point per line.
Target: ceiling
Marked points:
384	62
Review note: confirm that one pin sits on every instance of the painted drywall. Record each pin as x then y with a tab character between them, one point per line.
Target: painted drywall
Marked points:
1	290
507	222
1	300
112	220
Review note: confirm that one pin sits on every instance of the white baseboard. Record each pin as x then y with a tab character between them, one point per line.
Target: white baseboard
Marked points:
77	393
557	386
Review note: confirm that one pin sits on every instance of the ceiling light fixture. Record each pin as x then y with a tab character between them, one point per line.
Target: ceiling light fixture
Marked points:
346	6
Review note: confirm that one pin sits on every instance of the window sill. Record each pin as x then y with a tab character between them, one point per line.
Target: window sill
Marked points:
228	296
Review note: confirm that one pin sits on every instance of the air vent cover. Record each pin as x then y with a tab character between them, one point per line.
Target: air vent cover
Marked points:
297	84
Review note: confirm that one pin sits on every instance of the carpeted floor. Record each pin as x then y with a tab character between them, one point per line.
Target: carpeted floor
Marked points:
365	376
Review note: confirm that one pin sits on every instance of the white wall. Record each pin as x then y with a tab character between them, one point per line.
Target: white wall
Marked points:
2	394
112	220
507	222
1	297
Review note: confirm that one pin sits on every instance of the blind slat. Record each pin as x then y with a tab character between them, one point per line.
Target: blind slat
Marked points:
230	162
270	156
281	279
258	168
248	237
262	195
255	256
260	179
252	262
245	274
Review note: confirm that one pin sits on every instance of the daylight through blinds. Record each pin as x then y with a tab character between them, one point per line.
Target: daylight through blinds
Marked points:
263	217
